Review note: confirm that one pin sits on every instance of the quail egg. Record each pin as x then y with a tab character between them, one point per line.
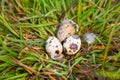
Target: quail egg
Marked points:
66	28
54	48
72	45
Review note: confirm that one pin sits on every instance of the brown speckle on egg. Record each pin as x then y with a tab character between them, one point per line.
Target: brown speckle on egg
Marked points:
67	26
73	46
57	51
50	41
70	51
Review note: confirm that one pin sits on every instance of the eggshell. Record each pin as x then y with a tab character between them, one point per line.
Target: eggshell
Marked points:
54	47
66	29
56	57
72	45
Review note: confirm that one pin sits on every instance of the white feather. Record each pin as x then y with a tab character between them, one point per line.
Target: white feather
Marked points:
89	37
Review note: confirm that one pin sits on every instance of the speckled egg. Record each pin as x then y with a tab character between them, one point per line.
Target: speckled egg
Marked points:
54	48
72	45
66	28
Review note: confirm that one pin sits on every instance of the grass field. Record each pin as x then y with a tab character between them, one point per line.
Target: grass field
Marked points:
26	24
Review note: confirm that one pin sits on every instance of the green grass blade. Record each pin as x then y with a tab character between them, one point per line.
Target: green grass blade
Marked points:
109	42
6	24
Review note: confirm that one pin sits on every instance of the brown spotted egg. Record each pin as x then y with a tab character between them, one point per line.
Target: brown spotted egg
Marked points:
72	45
66	28
54	48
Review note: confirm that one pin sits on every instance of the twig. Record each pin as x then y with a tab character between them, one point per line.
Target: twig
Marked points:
115	43
29	69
